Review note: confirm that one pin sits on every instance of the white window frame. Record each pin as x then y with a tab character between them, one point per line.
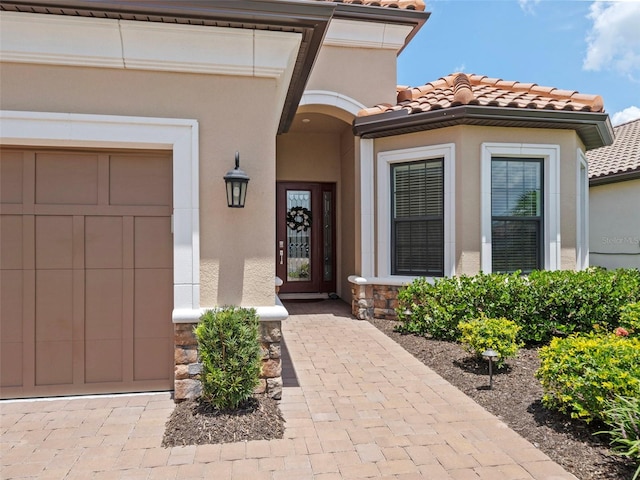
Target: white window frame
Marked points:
550	154
582	211
384	162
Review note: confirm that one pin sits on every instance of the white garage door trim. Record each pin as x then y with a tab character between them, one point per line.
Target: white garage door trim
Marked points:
106	131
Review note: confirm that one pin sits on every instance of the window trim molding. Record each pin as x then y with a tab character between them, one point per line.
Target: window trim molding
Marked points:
550	154
582	211
384	162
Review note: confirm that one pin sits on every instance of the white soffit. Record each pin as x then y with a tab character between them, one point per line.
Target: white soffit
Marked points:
98	42
350	33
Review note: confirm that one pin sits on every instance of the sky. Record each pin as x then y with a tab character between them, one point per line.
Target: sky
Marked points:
583	45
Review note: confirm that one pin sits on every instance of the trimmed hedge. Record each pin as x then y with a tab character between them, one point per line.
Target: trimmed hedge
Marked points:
581	374
543	303
228	342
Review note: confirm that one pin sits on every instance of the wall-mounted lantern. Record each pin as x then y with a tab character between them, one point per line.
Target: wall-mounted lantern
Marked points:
236	181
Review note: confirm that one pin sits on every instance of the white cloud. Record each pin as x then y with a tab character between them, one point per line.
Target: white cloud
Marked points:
528	6
614	39
460	68
626	115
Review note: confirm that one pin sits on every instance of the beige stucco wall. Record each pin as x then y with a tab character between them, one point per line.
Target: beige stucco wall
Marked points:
308	157
614	224
347	196
236	247
468	141
364	74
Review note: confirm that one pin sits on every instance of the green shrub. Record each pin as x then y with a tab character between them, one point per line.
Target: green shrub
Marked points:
630	318
229	349
581	373
497	333
623	417
543	303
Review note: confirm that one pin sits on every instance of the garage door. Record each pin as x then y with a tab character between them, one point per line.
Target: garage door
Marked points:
86	279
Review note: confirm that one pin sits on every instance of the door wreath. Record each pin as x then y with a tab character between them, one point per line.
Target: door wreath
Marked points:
299	219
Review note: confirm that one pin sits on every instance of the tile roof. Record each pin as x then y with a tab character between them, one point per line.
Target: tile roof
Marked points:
468	89
404	4
620	158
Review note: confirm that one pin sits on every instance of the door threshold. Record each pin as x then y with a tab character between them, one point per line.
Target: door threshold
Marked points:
303	296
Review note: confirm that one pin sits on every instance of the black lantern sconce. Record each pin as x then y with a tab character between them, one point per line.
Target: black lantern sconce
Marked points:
236	181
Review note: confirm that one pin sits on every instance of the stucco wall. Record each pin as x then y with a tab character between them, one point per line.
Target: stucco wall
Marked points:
308	157
364	74
468	141
614	225
347	195
236	248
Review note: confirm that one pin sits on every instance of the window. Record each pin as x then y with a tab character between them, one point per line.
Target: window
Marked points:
417	218
415	213
516	214
520	207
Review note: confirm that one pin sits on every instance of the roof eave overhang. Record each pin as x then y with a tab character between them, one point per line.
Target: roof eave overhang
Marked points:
310	19
400	16
594	129
615	177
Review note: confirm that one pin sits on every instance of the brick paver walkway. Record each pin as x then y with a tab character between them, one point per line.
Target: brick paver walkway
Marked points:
357	406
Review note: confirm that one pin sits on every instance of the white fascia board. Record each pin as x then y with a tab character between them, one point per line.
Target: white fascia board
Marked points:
350	33
99	42
59	40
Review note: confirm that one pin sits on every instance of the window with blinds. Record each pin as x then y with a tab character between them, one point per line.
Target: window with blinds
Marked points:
516	214
417	218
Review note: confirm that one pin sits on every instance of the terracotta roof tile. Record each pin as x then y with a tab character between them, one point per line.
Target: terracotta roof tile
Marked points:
403	4
469	89
622	157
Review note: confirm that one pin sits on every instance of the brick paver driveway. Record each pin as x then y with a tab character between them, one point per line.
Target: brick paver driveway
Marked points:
358	406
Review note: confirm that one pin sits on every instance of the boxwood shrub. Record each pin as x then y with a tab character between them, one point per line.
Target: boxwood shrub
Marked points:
583	373
543	303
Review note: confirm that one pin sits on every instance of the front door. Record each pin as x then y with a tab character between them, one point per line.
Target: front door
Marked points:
305	237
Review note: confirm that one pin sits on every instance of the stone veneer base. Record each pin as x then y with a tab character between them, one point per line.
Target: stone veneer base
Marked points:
374	301
188	369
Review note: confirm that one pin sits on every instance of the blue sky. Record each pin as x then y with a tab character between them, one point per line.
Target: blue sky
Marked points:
588	46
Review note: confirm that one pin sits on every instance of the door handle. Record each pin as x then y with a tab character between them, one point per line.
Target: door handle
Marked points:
281	257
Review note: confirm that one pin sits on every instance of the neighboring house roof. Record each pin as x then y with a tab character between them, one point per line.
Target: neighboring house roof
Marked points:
619	161
462	98
405	4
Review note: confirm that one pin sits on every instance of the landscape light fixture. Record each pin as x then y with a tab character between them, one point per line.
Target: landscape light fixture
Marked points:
236	181
490	354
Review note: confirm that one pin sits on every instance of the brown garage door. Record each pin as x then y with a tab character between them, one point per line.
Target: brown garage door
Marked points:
86	279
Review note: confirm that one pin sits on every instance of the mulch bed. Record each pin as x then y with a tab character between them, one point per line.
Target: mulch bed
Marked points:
197	423
515	399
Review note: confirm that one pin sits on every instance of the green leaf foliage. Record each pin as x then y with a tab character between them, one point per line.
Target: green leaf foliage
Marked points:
228	343
543	303
623	418
630	318
483	333
581	373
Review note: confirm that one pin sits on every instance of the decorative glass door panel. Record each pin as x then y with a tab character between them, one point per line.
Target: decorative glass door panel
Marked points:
305	244
299	239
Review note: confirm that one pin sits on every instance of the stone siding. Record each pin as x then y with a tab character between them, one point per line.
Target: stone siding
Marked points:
188	369
374	301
